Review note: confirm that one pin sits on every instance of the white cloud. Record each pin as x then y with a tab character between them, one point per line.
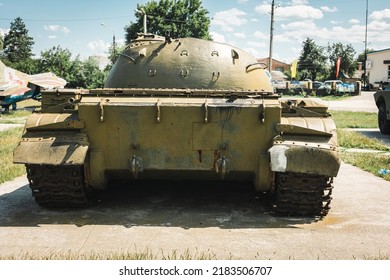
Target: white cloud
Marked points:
280	38
218	37
229	18
298	11
98	46
65	29
299	25
57	28
335	22
380	15
239	35
257	44
256	52
242	1
329	10
3	32
260	35
354	21
263	9
379	26
52	36
254	20
299	2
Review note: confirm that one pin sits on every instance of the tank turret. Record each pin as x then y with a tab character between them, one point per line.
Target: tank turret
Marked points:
158	62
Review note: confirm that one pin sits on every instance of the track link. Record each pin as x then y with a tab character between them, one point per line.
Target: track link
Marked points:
303	194
57	186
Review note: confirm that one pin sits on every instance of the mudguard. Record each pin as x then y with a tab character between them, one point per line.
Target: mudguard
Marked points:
52	148
301	157
306	146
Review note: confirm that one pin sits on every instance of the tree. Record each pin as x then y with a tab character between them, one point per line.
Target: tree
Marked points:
59	61
181	18
78	74
119	48
1	43
17	43
92	76
312	61
348	64
362	56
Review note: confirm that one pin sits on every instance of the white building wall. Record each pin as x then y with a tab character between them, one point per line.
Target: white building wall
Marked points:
379	71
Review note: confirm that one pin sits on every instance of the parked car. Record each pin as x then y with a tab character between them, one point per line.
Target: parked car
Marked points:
317	84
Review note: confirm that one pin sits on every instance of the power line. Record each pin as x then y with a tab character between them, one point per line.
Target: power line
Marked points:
67	20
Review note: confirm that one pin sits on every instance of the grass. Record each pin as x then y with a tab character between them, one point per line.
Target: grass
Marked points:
354	140
348	139
19	116
344	119
144	255
14	117
147	255
8	141
335	97
371	162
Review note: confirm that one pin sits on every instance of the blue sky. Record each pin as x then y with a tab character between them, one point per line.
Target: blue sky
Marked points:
76	25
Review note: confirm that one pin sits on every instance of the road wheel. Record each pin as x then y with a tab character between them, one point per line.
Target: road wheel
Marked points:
383	122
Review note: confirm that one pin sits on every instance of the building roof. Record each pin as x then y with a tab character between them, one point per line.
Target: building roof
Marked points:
378	51
273	60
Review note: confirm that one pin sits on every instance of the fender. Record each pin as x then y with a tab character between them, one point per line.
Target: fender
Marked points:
52	148
294	151
302	157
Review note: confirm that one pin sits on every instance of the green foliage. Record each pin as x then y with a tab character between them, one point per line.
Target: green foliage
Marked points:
180	18
78	74
17	43
348	64
361	57
91	75
113	56
312	61
8	141
59	61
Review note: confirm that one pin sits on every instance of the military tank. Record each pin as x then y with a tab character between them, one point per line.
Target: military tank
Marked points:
382	101
181	109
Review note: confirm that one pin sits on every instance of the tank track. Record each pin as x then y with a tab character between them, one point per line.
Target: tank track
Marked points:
303	194
57	186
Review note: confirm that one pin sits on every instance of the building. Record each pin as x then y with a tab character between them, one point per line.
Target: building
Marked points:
276	64
101	61
378	67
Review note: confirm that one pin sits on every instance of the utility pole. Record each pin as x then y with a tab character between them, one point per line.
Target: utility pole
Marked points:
271	35
113	37
365	50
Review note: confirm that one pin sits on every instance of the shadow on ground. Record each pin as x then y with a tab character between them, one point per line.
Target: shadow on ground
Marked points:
171	204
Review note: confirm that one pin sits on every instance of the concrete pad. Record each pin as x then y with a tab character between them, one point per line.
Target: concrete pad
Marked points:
360	103
225	221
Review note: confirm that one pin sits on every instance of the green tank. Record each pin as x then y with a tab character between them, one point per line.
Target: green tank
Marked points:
181	109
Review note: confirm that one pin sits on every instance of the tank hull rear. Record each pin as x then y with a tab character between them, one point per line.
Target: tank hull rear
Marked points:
182	138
